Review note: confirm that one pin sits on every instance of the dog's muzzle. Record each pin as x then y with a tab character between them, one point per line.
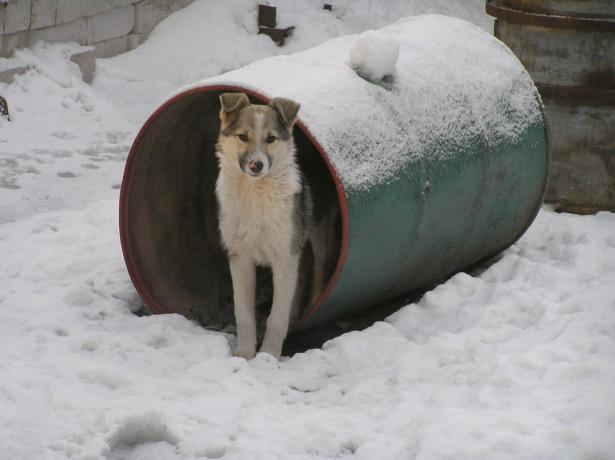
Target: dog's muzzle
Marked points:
255	164
255	167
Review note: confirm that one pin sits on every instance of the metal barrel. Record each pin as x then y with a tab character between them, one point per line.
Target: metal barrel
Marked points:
435	168
568	46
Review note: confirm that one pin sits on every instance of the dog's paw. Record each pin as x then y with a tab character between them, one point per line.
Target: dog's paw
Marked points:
246	353
274	351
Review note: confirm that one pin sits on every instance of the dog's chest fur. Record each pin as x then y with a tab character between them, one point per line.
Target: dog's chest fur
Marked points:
257	217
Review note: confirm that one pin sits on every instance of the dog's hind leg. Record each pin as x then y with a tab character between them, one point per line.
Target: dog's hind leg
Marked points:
243	273
285	274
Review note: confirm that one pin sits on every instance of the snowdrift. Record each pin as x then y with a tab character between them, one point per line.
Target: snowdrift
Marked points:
436	166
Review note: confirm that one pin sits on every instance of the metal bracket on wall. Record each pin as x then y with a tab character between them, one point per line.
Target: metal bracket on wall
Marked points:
267	25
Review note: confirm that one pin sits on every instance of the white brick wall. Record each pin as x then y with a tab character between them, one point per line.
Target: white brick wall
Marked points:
148	14
43	13
15	16
69	10
111	47
74	31
112	26
15	40
135	40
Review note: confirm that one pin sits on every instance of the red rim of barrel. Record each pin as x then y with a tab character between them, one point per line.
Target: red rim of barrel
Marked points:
124	220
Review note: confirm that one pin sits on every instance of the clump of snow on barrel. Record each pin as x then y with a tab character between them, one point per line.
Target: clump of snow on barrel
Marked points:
374	55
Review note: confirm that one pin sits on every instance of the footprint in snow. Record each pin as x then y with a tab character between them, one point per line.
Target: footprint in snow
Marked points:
68	174
9	183
143	437
64	135
61	153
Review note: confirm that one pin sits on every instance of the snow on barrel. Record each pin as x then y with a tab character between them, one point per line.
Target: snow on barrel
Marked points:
428	135
374	55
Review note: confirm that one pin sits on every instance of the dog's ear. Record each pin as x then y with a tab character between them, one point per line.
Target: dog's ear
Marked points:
286	109
230	105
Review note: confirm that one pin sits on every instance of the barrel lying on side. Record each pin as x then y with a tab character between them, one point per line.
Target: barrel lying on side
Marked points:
435	168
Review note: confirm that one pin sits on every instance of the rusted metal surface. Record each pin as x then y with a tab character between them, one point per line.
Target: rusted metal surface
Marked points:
267	23
568	47
586	8
578	94
267	16
562	57
4	109
277	35
499	10
582	172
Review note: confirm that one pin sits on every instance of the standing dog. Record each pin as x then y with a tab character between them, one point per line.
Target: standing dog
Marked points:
266	214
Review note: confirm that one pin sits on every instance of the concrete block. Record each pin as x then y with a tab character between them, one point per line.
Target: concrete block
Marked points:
148	14
185	3
43	13
120	3
69	10
135	40
74	31
110	24
10	42
8	75
111	47
179	4
15	16
86	60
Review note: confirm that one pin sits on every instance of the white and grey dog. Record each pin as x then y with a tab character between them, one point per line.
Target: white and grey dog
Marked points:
266	214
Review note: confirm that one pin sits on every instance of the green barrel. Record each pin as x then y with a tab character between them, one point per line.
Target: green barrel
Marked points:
437	166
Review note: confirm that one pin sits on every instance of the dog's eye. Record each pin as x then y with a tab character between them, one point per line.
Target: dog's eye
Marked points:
243	137
270	139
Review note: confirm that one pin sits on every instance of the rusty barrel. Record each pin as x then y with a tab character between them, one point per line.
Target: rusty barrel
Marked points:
568	46
437	166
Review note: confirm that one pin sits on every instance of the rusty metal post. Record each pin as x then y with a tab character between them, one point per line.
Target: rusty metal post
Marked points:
4	109
267	25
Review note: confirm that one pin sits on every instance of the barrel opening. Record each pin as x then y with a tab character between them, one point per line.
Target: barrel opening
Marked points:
168	213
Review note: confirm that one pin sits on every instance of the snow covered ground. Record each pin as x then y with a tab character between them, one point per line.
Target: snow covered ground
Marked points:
512	362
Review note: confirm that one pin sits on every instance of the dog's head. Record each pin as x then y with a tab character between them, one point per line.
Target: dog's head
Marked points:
254	137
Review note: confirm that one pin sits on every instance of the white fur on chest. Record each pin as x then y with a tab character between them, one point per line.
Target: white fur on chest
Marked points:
256	216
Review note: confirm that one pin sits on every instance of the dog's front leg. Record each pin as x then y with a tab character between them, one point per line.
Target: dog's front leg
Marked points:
243	273
285	275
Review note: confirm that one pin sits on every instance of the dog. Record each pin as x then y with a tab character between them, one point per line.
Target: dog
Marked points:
267	215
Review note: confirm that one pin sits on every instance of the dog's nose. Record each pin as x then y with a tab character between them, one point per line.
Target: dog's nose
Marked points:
255	166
